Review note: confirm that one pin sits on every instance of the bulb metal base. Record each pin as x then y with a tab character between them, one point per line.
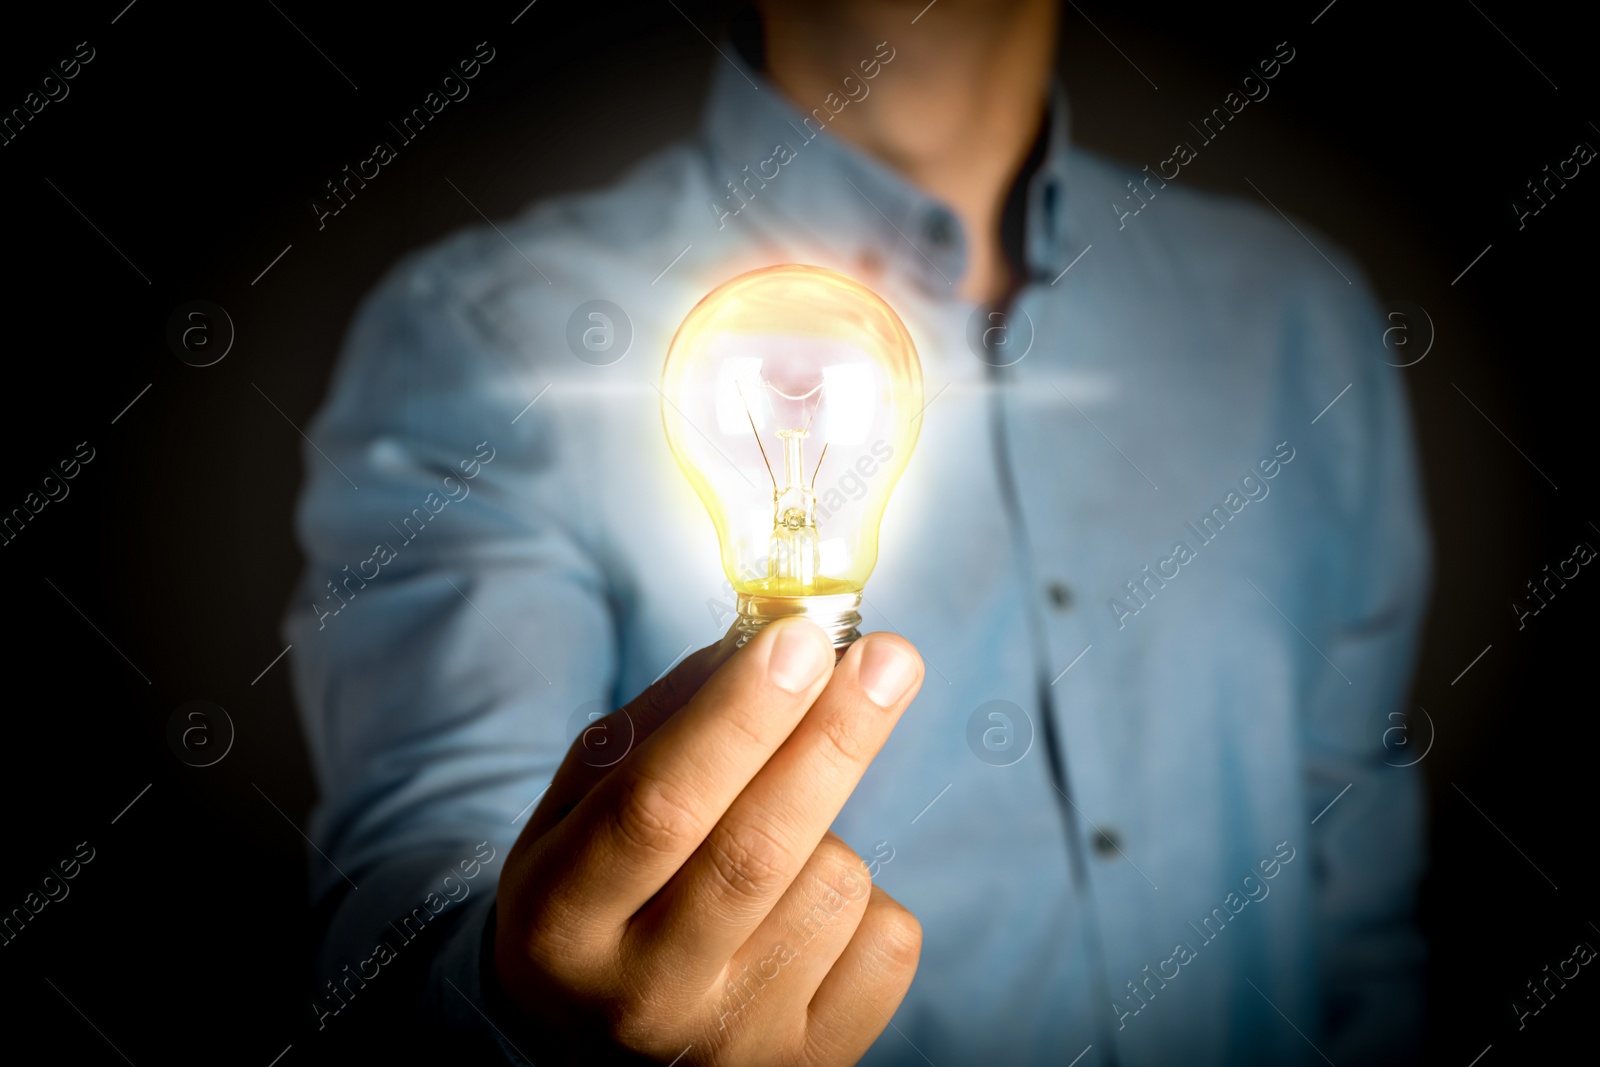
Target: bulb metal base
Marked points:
837	613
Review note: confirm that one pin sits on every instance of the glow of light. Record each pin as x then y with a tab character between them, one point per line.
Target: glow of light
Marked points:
849	398
734	374
835	555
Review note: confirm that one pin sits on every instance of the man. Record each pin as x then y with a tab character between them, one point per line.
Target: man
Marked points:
1138	808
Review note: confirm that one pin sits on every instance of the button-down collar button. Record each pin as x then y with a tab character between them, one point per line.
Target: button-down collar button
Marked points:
1107	844
1059	595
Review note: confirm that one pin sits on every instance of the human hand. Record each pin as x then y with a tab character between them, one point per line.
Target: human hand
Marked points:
690	900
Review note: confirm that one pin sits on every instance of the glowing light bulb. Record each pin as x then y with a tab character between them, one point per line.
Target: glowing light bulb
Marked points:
790	398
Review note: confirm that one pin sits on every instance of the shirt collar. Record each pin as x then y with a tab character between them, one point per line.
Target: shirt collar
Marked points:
776	169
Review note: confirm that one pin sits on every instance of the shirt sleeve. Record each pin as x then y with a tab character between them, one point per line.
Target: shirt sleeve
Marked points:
1365	801
451	616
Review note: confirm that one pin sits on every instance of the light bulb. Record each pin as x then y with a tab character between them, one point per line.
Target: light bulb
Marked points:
790	397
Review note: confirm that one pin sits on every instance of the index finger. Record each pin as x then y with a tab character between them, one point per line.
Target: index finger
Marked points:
629	835
637	720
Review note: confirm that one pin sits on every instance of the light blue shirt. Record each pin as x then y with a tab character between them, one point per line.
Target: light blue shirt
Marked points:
1175	724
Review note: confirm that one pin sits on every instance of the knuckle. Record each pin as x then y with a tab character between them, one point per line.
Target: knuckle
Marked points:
896	934
827	1041
658	702
747	860
597	737
685	680
633	1022
547	942
554	964
834	857
670	693
838	869
650	816
746	717
841	743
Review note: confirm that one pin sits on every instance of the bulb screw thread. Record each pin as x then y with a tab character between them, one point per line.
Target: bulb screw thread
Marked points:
838	614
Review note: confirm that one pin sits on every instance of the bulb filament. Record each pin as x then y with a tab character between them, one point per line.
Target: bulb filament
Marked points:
794	551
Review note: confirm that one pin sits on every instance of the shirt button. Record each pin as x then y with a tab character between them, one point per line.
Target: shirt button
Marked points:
1060	595
1107	844
940	229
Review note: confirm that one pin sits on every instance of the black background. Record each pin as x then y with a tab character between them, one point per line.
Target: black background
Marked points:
194	143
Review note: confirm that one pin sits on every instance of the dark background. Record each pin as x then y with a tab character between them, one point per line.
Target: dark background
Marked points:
195	141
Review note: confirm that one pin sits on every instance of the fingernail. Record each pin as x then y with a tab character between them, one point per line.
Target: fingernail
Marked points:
887	671
799	656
